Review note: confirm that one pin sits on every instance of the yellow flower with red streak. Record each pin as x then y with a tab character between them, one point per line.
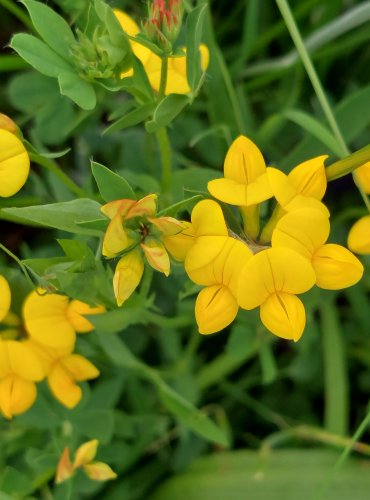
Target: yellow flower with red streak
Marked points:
136	235
177	82
84	459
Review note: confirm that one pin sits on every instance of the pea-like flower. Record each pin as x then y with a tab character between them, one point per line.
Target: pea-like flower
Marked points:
177	82
359	236
14	163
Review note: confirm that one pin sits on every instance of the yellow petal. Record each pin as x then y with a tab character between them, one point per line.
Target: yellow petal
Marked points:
244	161
363	177
215	309
17	395
336	267
23	361
208	219
284	315
75	314
64	468
231	191
79	368
116	238
146	207
5	297
179	244
85	453
303	230
309	177
274	270
128	25
168	226
46	320
117	207
157	256
127	276
14	164
63	386
99	471
359	236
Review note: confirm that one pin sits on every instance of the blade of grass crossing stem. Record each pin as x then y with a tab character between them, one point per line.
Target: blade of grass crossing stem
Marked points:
335	371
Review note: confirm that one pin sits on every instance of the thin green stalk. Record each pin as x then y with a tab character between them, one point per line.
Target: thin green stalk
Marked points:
335	371
343	457
12	63
53	167
12	7
165	152
163	81
19	262
146	282
315	81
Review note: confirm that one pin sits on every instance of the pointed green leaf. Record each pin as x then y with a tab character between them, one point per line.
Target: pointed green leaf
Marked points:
167	110
132	118
194	29
78	90
111	185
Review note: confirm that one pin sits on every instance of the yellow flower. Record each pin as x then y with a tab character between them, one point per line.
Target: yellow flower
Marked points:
127	276
271	279
63	369
19	370
84	456
363	177
53	320
359	236
5	297
177	82
14	163
245	182
179	244
306	232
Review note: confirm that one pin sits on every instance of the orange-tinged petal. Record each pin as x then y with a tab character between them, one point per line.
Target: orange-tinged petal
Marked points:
85	453
17	395
359	236
168	226
127	276
336	267
7	123
64	468
146	207
309	179
63	386
215	309
116	238
5	297
117	207
208	219
157	256
274	270
99	471
363	177
244	161
179	244
76	312
79	368
46	320
14	164
303	230
284	315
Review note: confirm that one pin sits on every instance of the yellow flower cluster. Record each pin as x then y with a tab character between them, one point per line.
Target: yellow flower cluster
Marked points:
50	322
268	268
136	232
14	159
177	82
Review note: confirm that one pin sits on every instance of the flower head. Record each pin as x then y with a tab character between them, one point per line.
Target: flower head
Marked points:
14	163
359	236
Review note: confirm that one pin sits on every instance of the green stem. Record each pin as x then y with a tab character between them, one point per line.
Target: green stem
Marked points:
163	81
335	372
146	282
53	167
315	81
352	444
20	264
165	152
12	63
12	7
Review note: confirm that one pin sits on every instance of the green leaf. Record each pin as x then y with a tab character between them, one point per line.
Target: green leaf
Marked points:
117	36
167	110
285	475
51	27
315	128
79	91
134	313
39	55
111	185
94	423
194	29
132	118
64	215
180	206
